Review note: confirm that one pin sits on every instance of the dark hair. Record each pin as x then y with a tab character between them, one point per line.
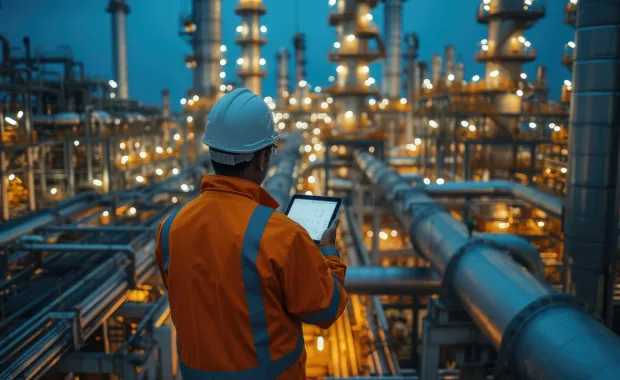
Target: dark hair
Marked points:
236	170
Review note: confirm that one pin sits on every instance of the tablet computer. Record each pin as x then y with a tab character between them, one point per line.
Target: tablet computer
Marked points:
313	213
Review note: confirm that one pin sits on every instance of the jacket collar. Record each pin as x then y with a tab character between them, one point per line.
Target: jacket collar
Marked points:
239	186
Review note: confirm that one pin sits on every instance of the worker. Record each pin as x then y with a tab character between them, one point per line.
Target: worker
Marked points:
242	277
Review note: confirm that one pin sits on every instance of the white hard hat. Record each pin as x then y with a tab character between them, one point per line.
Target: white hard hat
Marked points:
239	124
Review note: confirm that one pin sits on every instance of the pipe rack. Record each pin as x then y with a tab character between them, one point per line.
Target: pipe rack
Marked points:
513	308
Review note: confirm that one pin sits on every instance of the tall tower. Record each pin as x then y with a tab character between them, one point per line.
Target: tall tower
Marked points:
504	52
250	37
119	11
282	82
354	29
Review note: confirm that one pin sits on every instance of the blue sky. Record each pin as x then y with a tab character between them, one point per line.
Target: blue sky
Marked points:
156	51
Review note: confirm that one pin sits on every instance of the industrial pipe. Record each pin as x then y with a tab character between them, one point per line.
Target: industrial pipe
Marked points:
392	281
119	11
590	226
282	182
511	307
550	204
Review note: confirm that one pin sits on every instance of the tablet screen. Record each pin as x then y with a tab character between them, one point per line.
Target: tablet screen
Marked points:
313	215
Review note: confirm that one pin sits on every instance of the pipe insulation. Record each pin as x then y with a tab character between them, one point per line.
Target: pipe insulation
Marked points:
206	42
591	220
282	183
512	307
119	11
393	36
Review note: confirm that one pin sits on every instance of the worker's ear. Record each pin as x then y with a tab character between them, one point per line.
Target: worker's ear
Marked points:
263	160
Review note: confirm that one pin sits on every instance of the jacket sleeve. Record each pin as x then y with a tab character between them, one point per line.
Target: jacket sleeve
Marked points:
158	256
314	282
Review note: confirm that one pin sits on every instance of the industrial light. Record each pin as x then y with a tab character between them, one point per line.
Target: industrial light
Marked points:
348	114
351	37
190	119
240	61
494	73
140	179
190	102
541	224
124	160
564	170
10	121
533	125
485	47
184	188
403	100
97	182
229	87
417	141
222	87
76	143
222	61
281	125
370	234
519	92
183	101
383	235
368	17
112	95
365	69
169	150
464	123
268	99
433	124
337	45
521	39
223	48
487	2
308	192
112	83
331	78
451	77
427	181
132	210
340	68
476	78
503	225
440	181
20	114
571	44
262	62
136	145
332	3
557	128
320	343
11	177
174	200
523	76
142	155
308	148
327	119
551	125
303	83
568	83
158	171
317	147
371	80
175	171
121	145
312	157
196	98
484	42
329	100
311	179
106	213
324	105
292	101
222	75
487	8
159	150
372	102
527	43
317	89
263	29
472	128
177	137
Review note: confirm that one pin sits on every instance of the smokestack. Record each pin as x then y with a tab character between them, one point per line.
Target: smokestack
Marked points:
165	103
541	76
459	73
206	43
283	79
449	60
422	72
119	11
591	216
393	36
436	70
299	42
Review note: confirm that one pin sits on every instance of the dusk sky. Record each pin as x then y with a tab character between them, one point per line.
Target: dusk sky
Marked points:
156	51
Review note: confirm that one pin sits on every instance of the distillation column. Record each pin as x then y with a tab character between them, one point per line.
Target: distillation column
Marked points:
299	43
282	83
354	28
392	65
206	43
413	83
504	53
119	11
250	37
591	216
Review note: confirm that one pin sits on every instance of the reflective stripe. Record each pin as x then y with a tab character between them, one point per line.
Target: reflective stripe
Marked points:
269	372
330	313
252	282
329	250
267	368
165	238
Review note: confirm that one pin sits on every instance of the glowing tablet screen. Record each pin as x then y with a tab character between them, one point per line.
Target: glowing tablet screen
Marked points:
313	215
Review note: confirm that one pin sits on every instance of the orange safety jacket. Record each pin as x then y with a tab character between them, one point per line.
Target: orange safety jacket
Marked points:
241	279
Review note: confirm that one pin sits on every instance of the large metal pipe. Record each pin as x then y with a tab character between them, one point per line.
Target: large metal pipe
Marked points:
206	43
550	204
281	184
119	11
393	56
591	221
392	281
511	307
283	76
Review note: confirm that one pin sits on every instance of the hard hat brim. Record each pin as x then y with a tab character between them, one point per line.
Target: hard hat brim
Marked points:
251	148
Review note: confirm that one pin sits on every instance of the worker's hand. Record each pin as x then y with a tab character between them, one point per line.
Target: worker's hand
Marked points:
329	236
